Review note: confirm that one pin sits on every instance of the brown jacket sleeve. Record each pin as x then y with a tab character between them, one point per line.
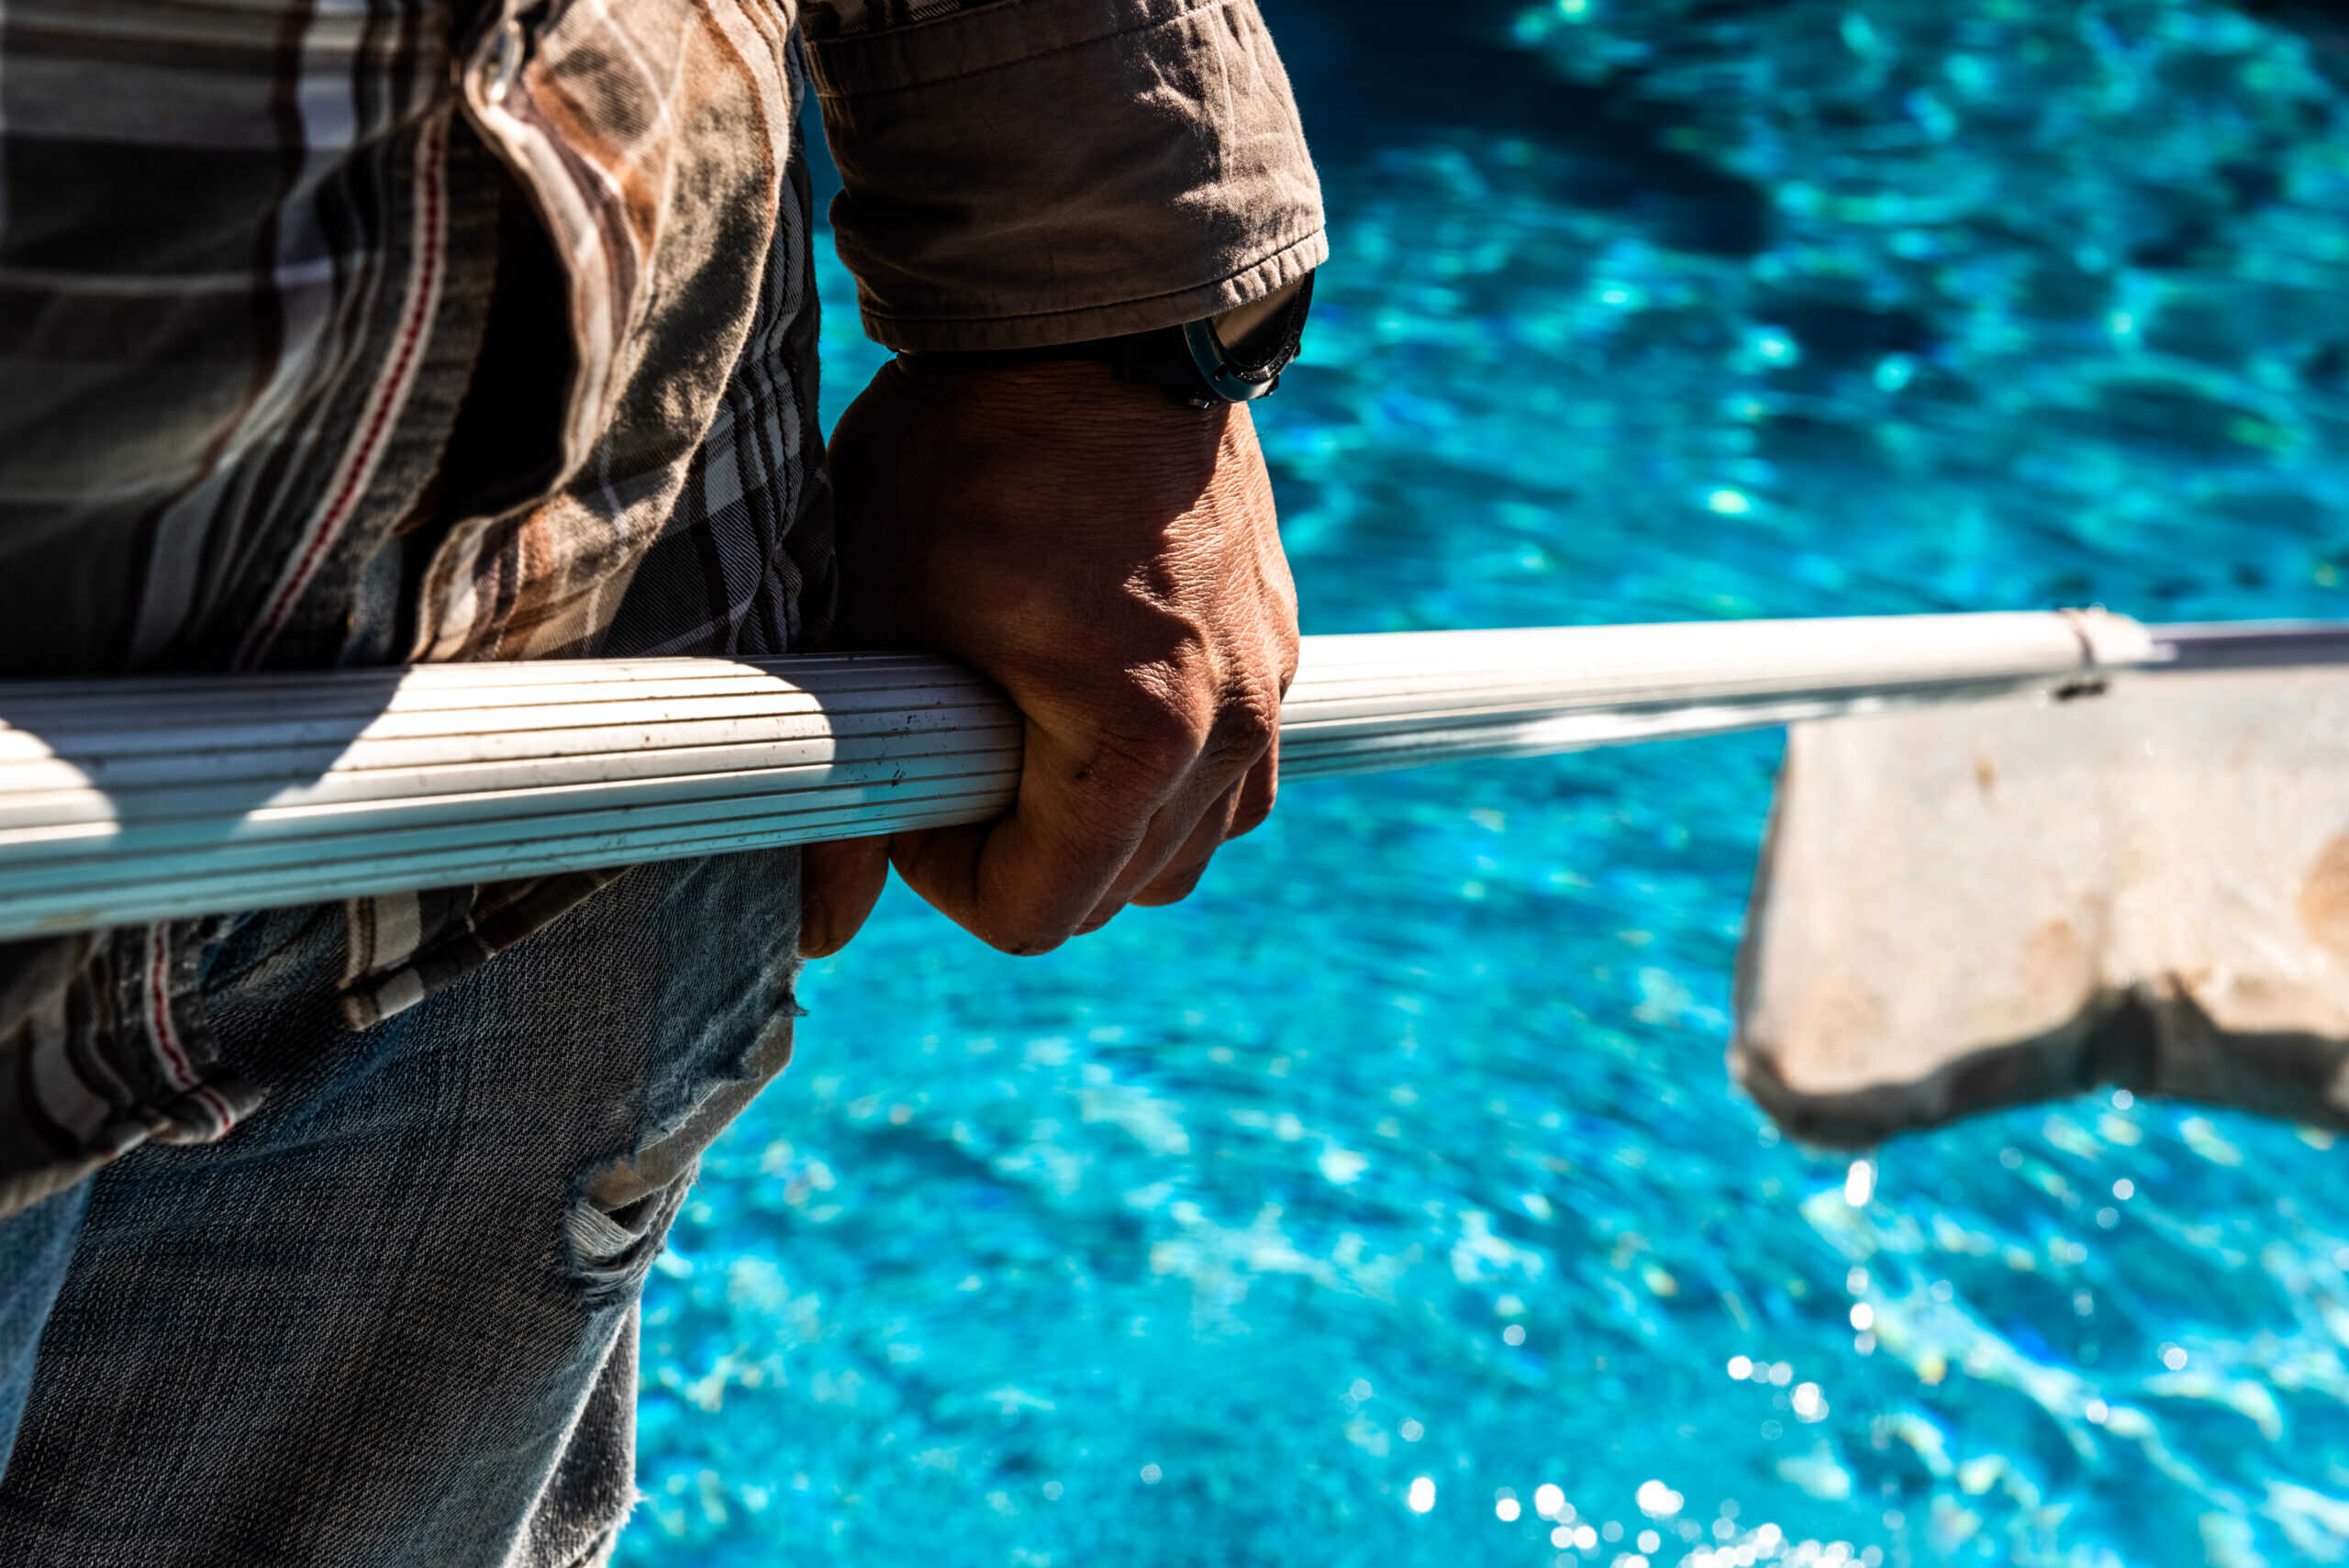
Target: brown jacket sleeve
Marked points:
1038	171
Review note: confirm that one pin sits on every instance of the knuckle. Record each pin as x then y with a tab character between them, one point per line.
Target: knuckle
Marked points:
1155	734
1125	761
1167	745
1251	717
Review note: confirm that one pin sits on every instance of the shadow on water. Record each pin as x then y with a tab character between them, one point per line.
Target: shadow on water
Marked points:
1358	82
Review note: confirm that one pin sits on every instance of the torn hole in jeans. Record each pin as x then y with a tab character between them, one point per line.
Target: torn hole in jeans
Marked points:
621	1211
611	1250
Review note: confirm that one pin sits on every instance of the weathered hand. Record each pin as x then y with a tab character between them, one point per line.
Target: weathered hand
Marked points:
1108	558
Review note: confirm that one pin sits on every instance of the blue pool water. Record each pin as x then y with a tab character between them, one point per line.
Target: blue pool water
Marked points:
1399	1166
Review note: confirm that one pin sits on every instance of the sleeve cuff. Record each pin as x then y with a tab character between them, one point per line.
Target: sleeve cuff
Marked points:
1041	172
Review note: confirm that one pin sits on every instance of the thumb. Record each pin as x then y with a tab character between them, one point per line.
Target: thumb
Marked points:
839	883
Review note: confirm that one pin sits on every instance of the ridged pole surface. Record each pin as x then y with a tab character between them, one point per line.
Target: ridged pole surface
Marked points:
136	800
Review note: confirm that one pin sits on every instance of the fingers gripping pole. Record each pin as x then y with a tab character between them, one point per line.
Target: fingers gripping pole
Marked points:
126	800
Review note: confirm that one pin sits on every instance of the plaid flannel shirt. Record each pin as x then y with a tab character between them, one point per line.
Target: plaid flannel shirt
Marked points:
356	331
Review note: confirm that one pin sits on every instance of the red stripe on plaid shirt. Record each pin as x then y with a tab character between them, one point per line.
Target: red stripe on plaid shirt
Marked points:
384	403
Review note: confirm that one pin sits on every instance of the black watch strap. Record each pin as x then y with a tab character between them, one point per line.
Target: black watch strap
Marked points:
1190	360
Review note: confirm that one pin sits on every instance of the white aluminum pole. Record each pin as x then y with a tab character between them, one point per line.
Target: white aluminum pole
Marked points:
147	799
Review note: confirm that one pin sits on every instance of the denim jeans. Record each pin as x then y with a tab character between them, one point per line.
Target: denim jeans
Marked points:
392	1318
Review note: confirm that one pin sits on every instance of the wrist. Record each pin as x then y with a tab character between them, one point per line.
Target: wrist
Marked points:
1066	443
1072	426
1235	356
1059	402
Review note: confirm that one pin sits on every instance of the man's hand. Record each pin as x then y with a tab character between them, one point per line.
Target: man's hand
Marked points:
1105	555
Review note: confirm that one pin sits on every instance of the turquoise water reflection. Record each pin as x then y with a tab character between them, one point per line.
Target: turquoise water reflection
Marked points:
1387	1204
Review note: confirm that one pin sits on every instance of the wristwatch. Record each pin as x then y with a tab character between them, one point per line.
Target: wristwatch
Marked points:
1193	361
